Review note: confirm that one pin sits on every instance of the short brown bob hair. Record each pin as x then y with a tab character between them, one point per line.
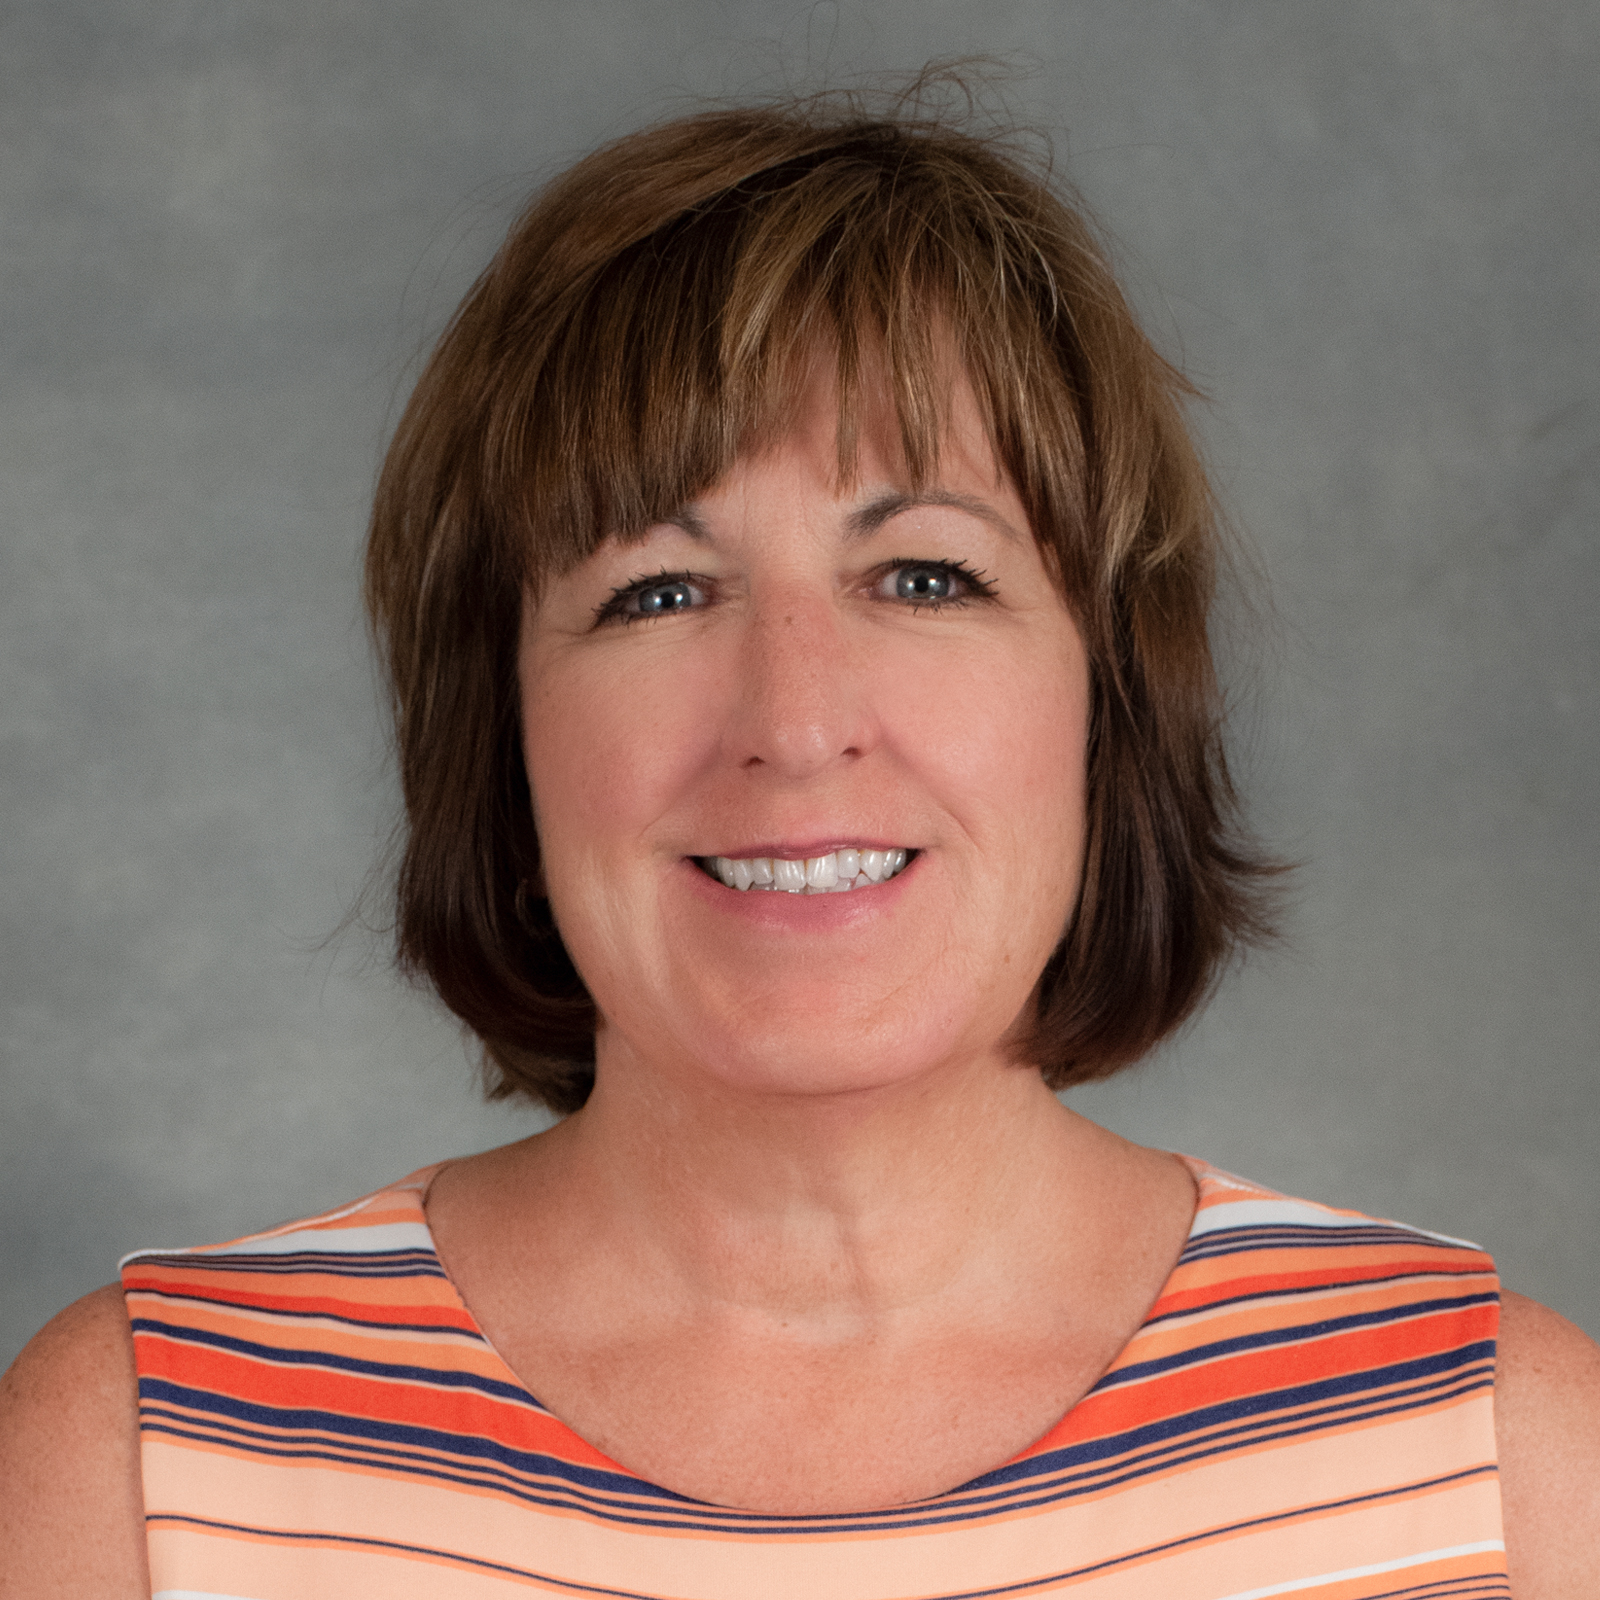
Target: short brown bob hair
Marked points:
644	323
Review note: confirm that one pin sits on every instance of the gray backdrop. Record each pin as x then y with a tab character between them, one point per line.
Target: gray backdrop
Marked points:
1369	230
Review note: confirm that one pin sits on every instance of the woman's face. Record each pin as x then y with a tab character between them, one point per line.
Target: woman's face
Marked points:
786	670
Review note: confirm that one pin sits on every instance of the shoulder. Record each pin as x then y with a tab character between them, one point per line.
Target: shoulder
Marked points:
1547	1427
71	1502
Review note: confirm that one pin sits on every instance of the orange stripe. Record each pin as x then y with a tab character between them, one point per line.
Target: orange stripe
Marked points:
1265	1505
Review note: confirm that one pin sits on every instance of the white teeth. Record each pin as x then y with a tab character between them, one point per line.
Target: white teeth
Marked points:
836	873
822	872
790	875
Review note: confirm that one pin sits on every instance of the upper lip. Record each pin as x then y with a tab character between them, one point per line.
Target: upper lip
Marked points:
805	850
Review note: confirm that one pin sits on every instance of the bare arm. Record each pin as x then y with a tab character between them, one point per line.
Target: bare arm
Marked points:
1547	1423
71	1501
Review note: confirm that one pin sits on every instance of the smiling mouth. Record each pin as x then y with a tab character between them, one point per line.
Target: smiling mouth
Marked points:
838	872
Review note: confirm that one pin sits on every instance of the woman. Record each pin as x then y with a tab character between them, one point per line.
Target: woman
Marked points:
793	573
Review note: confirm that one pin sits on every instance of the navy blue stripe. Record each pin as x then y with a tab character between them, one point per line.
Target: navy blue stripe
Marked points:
708	1518
439	1329
1300	1333
307	1419
1478	1583
484	1473
350	1540
388	1371
312	1537
1394	1375
1314	1233
1098	1483
423	1266
1302	1290
1069	1459
1209	1535
206	1258
955	1507
346	1540
1289	1423
444	1378
1221	1244
1367	1228
563	1497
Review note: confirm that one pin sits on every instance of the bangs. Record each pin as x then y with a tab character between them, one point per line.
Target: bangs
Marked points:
691	346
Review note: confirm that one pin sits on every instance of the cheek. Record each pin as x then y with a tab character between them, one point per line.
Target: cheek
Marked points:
1003	733
606	753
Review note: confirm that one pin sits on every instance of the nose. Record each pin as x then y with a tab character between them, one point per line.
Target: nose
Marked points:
801	702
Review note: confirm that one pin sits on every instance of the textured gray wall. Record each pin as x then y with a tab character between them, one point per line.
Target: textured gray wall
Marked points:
1369	229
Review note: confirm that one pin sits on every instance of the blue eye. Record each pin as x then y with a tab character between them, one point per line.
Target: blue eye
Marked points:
924	584
931	585
661	596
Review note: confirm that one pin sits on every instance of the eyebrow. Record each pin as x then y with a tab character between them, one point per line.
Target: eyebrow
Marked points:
866	520
872	516
690	521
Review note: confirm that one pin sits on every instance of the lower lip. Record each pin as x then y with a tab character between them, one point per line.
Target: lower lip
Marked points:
779	911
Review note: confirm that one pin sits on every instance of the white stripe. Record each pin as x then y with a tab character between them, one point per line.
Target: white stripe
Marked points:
1266	1213
195	1594
1482	1547
332	1241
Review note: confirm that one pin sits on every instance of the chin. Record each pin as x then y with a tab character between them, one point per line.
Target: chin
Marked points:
796	1051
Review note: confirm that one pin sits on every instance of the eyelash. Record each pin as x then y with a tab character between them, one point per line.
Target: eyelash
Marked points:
611	609
979	587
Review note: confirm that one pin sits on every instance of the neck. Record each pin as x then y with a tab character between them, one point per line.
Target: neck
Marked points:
810	1206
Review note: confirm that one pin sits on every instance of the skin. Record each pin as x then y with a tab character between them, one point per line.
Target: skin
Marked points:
812	1197
71	1501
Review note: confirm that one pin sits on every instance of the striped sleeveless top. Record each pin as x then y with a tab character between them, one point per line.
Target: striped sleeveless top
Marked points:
1307	1409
